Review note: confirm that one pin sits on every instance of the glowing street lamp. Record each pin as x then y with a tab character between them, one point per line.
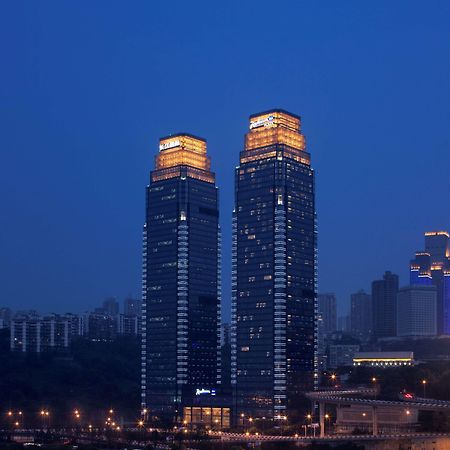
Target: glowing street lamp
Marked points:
44	413
309	417
424	385
327	419
374	380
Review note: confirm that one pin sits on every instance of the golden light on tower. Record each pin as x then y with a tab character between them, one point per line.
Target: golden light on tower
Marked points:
185	153
182	150
271	128
275	127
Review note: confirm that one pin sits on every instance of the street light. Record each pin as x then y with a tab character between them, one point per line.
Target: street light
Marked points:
374	381
309	417
333	378
327	419
424	384
44	413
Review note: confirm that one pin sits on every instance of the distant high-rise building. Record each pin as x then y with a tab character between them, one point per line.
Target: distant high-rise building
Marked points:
111	306
181	278
432	268
384	306
361	320
132	307
341	354
416	311
5	316
273	269
328	310
129	325
343	323
101	326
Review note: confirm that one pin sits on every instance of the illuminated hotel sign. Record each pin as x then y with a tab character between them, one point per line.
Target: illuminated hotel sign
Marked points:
170	144
203	391
266	122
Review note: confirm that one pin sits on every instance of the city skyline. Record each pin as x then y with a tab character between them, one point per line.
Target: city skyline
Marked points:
95	139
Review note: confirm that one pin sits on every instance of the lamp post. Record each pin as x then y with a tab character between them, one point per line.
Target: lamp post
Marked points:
77	421
10	415
333	378
327	418
424	385
45	415
144	415
375	385
309	417
141	428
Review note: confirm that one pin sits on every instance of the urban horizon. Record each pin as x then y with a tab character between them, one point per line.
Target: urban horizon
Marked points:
225	225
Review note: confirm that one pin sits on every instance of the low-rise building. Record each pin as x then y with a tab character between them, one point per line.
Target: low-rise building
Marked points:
383	359
36	334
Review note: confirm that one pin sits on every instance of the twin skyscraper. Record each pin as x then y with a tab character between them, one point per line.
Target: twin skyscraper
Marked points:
274	277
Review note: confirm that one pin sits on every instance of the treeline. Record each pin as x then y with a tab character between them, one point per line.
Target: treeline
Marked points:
93	377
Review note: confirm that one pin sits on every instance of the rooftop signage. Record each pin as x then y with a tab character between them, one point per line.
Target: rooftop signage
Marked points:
265	122
170	144
203	391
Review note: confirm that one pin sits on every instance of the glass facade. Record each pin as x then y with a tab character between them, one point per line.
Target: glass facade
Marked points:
274	269
181	278
206	416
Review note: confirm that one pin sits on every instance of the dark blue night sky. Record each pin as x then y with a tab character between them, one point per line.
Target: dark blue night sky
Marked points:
87	88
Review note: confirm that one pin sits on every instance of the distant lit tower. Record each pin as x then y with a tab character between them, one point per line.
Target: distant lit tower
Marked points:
432	267
384	305
181	278
273	269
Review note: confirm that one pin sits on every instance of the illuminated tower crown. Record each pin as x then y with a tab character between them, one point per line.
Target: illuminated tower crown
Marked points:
272	129
182	153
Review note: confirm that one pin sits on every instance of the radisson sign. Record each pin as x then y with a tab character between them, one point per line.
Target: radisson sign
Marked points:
266	122
203	391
